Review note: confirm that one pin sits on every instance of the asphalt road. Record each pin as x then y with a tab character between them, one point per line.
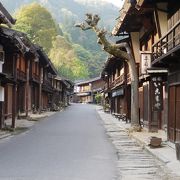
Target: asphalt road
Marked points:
70	145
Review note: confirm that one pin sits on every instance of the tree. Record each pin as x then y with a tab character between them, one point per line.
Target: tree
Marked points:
93	60
91	22
66	60
39	25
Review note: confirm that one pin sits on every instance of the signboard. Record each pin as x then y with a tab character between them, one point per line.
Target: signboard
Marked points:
84	94
1	93
118	92
145	61
157	93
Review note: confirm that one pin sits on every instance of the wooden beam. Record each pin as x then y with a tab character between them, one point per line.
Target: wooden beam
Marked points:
14	96
40	89
27	85
1	114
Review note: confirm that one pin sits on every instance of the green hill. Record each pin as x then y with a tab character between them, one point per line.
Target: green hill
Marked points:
67	13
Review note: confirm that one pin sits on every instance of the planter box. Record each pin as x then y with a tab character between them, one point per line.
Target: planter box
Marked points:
155	141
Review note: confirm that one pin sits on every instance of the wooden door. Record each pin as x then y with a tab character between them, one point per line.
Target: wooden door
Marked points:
177	116
174	114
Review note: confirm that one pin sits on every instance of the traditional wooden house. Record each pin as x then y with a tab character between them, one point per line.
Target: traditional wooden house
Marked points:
5	18
57	97
166	54
117	90
28	80
67	93
42	92
153	28
18	53
85	91
139	25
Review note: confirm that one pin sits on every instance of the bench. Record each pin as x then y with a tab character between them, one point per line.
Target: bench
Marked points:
120	116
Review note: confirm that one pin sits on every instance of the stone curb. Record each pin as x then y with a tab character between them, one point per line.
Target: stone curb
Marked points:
145	147
6	135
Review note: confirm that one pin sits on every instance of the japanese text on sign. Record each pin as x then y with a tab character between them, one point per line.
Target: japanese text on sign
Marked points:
157	93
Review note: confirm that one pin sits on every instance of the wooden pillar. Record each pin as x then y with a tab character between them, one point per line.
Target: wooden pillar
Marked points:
40	89
1	106
1	114
126	108
14	103
14	91
27	86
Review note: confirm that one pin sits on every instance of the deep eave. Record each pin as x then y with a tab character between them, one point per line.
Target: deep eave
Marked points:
132	16
17	39
5	17
89	81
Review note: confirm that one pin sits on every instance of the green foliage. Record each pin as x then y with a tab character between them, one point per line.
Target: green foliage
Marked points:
66	60
98	98
93	60
39	25
37	22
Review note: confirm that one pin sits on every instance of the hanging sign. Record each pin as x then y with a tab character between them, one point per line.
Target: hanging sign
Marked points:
118	92
157	93
145	61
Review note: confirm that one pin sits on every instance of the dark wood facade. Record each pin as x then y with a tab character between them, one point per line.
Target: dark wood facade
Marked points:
153	28
86	91
117	90
28	80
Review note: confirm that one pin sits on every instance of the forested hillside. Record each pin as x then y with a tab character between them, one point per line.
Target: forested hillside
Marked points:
67	13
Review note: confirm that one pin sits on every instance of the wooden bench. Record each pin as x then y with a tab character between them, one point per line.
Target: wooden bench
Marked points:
120	116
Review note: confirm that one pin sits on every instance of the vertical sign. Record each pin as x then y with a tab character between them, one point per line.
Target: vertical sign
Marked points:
157	93
1	93
145	62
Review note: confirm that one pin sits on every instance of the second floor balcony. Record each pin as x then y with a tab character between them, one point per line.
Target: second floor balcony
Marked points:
167	45
118	81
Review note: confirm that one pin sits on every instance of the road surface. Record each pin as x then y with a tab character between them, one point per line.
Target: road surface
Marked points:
70	145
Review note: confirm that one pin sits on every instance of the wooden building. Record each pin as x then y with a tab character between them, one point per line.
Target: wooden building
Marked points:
153	29
117	90
166	54
68	91
28	80
86	91
45	90
5	18
18	53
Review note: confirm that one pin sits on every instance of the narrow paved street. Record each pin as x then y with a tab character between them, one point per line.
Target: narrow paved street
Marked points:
70	145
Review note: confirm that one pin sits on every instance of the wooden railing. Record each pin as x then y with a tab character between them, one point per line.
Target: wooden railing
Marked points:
167	42
118	80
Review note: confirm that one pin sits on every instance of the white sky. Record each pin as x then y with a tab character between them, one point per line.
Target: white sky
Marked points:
117	3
